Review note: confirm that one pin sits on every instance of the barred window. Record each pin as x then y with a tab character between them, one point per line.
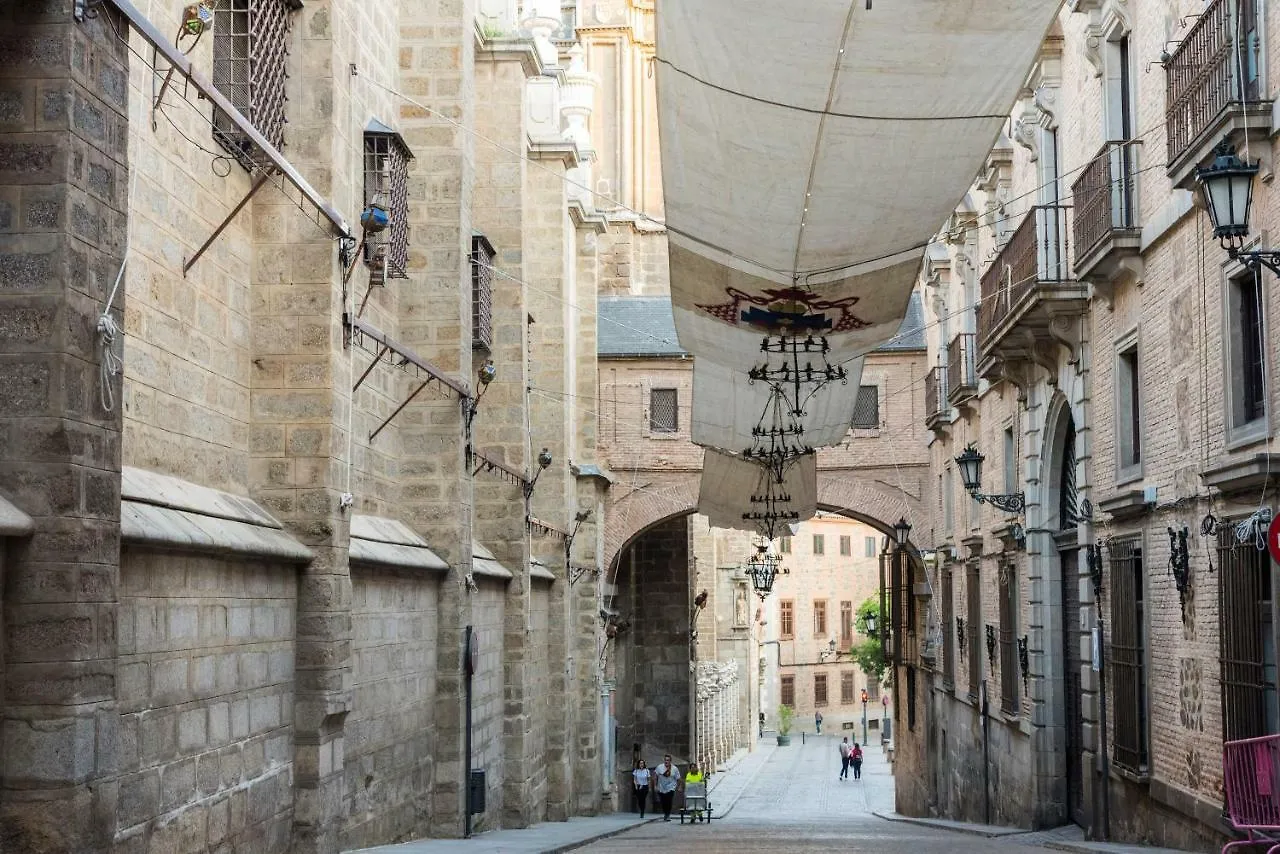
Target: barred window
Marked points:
664	410
948	635
973	593
386	182
788	697
1248	655
869	545
911	698
819	689
819	544
786	619
873	689
1128	674
1008	628
846	622
250	48
820	618
866	409
846	548
846	687
482	255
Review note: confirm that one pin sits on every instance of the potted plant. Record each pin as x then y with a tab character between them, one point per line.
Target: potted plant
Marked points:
786	715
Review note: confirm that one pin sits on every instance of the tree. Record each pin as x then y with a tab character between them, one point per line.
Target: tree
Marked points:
868	654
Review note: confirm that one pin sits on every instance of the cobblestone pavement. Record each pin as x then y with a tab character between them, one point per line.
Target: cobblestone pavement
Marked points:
793	801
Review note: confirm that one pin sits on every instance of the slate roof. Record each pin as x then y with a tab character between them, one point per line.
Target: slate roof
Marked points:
644	326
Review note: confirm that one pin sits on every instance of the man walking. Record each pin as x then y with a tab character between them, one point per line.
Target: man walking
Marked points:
855	759
817	722
666	778
845	750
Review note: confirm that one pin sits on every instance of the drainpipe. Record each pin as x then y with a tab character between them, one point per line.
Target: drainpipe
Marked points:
466	736
1102	744
986	756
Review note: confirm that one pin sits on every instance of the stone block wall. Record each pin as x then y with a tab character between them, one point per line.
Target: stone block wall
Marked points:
206	676
390	733
489	698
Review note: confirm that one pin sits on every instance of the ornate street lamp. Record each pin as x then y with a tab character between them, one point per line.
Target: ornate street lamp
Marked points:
869	625
1227	186
901	532
970	463
763	568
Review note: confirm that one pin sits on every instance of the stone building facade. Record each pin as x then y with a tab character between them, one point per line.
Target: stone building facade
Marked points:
253	495
1092	340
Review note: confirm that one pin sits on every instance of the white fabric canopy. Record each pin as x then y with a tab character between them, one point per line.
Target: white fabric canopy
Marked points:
728	483
809	152
820	145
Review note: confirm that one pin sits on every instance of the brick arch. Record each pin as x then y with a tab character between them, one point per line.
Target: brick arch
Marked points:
839	490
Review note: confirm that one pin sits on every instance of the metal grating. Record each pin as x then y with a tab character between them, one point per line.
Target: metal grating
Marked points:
664	410
1008	655
948	618
846	687
788	693
250	50
1128	676
866	409
482	255
386	175
1245	622
819	689
973	600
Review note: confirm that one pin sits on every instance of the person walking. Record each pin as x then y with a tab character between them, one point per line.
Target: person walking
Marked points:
817	722
845	751
855	759
666	779
640	778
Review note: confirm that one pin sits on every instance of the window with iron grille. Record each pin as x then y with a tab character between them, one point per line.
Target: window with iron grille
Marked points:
846	546
386	182
250	48
664	410
1247	649
819	689
866	409
1128	673
873	689
482	255
819	544
911	698
786	619
784	545
869	544
973	595
846	687
948	633
846	622
788	695
1008	631
820	618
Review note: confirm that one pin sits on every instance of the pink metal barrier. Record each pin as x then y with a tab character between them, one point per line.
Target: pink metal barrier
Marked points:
1251	775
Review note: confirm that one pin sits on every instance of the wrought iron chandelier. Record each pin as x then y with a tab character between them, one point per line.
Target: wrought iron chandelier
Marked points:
763	567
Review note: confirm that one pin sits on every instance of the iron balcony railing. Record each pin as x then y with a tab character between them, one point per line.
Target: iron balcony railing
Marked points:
935	393
1214	67
1036	254
1103	197
962	365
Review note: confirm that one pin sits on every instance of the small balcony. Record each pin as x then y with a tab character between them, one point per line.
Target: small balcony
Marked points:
1029	295
1212	89
962	368
936	410
1105	216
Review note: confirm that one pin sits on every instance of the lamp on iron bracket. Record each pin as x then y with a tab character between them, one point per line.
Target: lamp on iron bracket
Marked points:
1227	186
991	646
1093	555
544	462
1024	663
471	405
830	652
1180	565
569	570
970	463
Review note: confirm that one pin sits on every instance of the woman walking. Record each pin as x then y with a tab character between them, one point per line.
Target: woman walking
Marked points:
640	780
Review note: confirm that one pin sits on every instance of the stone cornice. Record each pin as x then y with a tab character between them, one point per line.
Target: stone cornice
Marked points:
509	49
565	151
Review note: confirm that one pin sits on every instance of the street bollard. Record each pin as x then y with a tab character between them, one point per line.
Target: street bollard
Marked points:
802	736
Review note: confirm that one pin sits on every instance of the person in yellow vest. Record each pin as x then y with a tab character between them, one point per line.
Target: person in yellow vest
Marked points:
694	775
